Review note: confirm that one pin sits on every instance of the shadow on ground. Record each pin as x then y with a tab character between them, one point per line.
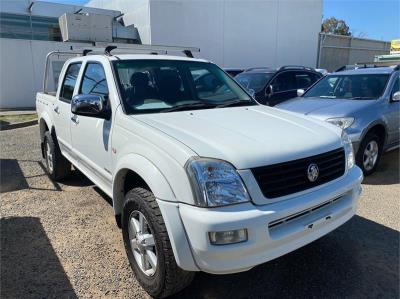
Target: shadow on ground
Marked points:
359	260
11	176
29	266
388	171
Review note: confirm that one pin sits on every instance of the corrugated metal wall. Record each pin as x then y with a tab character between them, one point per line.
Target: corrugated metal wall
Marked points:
336	51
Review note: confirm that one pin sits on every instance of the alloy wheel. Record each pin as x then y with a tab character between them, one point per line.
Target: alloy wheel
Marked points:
370	155
142	243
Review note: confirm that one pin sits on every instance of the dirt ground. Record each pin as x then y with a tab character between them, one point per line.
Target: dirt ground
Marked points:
59	240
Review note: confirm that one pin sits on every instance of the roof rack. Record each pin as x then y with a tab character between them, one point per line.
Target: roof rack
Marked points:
106	49
295	67
364	66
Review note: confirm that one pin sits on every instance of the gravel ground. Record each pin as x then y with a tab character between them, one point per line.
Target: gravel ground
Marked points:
60	240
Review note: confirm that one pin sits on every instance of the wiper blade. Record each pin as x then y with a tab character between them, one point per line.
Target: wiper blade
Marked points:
360	98
235	103
189	106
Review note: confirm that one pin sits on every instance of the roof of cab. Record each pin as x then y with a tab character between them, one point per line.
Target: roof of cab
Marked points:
372	70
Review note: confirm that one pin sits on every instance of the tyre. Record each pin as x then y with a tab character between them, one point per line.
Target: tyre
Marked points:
148	247
369	153
58	167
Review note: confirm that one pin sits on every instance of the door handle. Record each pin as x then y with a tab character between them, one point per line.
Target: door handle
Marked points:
57	110
75	119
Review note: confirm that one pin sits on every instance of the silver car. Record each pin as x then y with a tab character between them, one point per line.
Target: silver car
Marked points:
363	102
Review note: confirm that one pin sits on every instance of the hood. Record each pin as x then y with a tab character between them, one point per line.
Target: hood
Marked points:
247	136
325	108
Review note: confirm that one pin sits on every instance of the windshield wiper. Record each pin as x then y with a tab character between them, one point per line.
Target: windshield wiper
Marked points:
360	98
235	103
189	106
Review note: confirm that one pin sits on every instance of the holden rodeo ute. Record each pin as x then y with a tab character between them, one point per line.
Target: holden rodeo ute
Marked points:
201	176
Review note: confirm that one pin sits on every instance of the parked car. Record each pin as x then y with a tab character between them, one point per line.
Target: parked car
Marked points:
200	180
363	102
233	71
271	86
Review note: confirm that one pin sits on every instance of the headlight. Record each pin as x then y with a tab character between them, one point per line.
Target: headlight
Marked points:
348	147
215	183
341	122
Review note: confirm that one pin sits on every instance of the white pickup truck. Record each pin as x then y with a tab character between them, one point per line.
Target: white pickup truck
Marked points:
202	177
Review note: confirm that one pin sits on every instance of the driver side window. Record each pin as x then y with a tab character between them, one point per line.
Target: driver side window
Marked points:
284	82
94	80
396	86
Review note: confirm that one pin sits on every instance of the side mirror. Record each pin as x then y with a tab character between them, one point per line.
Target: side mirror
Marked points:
300	92
269	91
396	97
90	105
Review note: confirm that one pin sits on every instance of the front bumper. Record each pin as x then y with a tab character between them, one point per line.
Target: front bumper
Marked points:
264	242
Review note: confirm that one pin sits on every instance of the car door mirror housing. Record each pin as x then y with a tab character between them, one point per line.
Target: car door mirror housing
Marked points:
269	91
396	96
300	92
90	105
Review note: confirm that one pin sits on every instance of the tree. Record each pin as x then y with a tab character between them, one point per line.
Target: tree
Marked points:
335	26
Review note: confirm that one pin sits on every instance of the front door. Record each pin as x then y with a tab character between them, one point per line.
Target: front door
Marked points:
62	108
90	135
283	88
392	115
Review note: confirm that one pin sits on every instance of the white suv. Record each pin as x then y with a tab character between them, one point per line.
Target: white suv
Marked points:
202	177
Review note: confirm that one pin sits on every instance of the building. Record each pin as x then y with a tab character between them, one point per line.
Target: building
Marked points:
28	31
231	33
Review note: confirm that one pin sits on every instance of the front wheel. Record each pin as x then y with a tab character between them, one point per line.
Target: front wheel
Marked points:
148	247
369	153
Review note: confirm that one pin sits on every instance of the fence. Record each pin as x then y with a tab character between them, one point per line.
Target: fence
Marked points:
336	51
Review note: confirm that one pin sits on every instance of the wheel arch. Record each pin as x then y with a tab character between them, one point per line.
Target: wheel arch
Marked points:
379	128
137	171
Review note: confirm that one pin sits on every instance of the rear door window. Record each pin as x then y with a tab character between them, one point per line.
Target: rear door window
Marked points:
68	86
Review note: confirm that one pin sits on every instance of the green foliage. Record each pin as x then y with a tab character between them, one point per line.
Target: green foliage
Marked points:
335	26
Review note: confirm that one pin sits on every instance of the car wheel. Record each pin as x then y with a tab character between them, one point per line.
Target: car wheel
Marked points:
369	153
148	247
58	167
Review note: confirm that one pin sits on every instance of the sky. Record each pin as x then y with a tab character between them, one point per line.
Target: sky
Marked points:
375	19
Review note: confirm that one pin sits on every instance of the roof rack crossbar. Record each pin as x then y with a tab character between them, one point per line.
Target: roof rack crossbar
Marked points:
151	49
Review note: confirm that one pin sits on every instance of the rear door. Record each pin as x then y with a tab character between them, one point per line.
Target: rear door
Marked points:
283	88
62	107
392	114
91	135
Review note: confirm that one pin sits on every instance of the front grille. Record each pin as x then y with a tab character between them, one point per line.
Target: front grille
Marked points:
290	177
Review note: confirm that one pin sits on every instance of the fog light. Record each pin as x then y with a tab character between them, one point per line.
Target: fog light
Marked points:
228	237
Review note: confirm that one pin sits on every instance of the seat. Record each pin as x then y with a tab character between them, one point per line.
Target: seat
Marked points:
140	89
169	84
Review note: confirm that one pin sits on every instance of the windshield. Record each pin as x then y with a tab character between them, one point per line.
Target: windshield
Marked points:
255	81
149	86
362	86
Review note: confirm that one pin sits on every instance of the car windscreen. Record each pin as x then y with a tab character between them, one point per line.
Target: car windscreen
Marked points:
254	81
355	86
149	86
